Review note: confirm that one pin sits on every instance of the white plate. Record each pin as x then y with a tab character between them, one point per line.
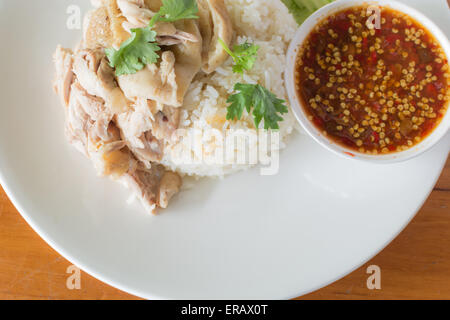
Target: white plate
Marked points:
245	237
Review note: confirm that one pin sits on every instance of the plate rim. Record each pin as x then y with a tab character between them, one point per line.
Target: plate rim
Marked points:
394	236
136	292
9	184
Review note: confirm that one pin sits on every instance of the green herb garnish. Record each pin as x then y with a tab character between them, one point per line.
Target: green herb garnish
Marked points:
302	9
254	98
244	56
141	48
136	52
257	100
174	10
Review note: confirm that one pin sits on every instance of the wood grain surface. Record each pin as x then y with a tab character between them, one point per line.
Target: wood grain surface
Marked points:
415	266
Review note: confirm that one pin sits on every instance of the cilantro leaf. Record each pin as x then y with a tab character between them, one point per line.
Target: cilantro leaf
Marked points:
302	9
174	10
252	97
141	48
240	101
244	56
257	100
134	53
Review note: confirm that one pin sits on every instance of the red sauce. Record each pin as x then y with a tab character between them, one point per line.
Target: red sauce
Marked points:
373	90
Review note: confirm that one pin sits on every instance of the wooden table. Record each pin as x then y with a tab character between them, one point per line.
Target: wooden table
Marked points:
415	266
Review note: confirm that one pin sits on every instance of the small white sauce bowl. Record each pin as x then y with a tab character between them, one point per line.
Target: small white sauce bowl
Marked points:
296	103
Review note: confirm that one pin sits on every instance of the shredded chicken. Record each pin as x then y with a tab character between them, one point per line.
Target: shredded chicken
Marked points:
177	38
64	75
137	132
95	109
146	130
124	123
167	83
153	82
170	185
135	12
137	15
155	186
165	123
98	78
78	124
92	129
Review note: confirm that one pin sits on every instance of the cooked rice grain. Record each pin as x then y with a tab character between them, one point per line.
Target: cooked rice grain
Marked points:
267	24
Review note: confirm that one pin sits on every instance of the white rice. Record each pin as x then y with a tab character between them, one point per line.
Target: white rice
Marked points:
268	24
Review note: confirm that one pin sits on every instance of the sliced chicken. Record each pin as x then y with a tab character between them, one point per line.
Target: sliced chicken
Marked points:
145	129
120	35
165	123
167	82
98	78
124	123
95	108
90	130
138	15
78	124
78	121
112	159
63	59
97	29
111	156
147	148
103	26
178	37
165	29
206	27
88	121
154	186
188	59
154	82
135	126
153	5
170	185
135	12
215	23
111	23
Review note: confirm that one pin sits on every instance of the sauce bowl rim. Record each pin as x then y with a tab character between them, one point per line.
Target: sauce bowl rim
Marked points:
296	102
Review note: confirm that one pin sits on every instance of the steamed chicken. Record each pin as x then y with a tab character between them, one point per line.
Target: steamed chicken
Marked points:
124	121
